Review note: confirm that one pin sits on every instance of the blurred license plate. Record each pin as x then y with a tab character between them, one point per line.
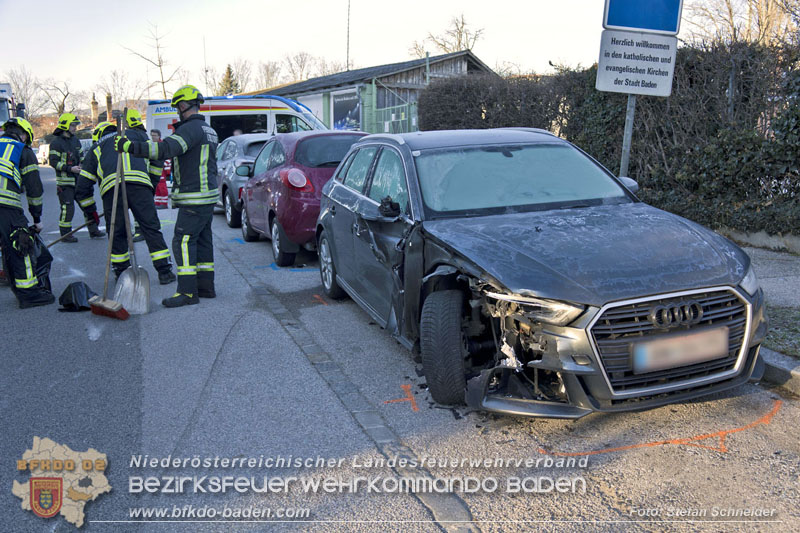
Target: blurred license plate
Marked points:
681	350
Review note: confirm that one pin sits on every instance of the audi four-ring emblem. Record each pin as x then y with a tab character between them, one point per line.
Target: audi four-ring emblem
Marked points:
677	314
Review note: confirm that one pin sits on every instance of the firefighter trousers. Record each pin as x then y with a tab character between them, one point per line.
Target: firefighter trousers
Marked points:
140	203
193	248
20	269
66	197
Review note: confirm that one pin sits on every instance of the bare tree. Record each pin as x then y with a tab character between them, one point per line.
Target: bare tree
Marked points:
298	65
59	96
457	37
210	79
156	58
325	67
243	70
268	74
759	21
124	91
27	90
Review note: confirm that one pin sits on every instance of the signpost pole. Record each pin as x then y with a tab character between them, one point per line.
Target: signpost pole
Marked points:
627	135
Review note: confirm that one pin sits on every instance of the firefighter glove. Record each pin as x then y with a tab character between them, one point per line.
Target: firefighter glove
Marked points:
37	227
121	144
22	241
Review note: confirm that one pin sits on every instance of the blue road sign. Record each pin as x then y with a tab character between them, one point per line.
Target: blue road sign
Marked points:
653	16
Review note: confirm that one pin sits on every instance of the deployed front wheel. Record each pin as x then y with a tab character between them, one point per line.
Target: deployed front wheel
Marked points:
442	346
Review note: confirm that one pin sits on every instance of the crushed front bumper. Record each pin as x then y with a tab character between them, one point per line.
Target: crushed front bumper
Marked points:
573	356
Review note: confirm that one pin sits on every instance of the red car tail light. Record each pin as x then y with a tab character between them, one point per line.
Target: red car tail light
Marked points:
295	179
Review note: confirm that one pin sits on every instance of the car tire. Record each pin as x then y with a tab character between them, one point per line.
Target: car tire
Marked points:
442	346
327	270
282	258
248	233
232	215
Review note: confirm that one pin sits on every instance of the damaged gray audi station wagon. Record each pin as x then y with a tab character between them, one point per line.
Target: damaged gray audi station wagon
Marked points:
533	281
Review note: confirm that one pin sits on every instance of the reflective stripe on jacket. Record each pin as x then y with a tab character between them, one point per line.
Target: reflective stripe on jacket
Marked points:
19	172
194	149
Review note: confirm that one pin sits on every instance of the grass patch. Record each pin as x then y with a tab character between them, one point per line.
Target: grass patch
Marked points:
784	330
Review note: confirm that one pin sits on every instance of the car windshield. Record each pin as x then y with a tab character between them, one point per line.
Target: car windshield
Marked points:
495	179
324	150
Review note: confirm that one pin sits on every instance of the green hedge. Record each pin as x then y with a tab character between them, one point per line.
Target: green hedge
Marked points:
722	150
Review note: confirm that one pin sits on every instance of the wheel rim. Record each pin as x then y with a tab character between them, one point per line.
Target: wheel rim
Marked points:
228	213
325	264
276	245
245	222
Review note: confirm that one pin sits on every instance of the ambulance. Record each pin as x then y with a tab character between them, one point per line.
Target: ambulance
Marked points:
248	114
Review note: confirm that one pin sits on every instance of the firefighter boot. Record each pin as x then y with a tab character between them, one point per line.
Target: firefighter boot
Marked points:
179	300
205	288
40	297
166	276
95	232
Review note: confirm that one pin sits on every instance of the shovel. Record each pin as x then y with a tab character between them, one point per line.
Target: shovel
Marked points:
133	286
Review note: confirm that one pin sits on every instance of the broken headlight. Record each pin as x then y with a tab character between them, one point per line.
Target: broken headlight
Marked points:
549	311
750	282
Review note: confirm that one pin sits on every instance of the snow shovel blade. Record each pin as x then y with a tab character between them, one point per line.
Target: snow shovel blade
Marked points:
133	290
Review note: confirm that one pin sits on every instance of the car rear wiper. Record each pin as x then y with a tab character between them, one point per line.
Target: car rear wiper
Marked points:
574	206
327	164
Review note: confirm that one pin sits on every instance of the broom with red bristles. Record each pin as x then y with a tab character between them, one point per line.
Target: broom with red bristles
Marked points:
103	306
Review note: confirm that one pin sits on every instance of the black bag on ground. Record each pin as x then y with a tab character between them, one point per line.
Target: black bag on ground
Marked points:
44	260
76	297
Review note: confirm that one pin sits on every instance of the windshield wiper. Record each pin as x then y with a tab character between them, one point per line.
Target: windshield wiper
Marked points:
574	206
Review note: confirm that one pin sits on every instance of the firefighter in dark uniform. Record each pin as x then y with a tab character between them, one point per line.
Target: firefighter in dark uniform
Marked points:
65	156
19	172
137	132
100	166
193	147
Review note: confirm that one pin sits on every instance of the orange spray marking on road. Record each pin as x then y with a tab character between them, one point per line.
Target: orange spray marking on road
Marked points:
690	441
409	398
320	299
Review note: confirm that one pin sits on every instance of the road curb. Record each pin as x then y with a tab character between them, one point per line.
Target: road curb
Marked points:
781	370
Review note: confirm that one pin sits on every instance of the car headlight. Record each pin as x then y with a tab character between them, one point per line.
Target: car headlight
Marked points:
750	282
549	311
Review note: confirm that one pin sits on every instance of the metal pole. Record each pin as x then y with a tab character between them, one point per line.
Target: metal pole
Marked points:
347	65
626	137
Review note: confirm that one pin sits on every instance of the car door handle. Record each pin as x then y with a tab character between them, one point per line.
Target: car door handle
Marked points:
332	210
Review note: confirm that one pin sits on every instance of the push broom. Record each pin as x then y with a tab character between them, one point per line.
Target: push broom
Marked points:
103	306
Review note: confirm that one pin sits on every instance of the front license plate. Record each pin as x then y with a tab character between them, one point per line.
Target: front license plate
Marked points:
680	350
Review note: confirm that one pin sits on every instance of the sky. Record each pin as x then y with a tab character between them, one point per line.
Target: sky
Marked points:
82	40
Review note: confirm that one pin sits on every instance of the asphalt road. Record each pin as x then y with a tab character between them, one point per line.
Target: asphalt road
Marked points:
272	368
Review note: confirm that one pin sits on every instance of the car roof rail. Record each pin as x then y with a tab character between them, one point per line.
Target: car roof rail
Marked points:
390	136
532	130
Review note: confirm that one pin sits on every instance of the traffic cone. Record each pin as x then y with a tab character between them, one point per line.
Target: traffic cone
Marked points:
162	194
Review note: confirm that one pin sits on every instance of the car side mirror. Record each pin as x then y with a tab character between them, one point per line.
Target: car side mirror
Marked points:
389	208
630	183
243	170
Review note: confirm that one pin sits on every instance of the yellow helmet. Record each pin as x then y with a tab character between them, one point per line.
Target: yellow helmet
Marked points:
66	120
187	93
23	124
134	118
100	130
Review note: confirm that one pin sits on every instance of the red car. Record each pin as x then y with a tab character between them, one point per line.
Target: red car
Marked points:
281	198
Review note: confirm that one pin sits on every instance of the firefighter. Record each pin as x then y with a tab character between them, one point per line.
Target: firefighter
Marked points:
100	164
194	146
19	172
65	156
137	132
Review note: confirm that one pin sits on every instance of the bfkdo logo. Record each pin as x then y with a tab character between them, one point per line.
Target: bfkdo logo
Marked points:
46	495
62	481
